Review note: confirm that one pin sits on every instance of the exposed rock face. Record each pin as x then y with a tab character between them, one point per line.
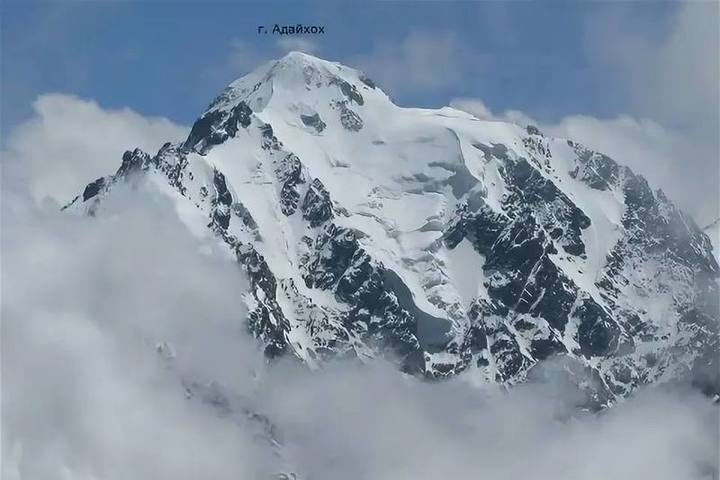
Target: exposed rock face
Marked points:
317	207
93	189
216	126
313	121
452	245
349	119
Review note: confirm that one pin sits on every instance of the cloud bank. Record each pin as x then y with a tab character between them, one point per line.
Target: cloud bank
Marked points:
670	80
124	355
71	141
420	61
671	160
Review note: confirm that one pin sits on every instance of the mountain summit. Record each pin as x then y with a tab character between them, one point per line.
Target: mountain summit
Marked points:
452	245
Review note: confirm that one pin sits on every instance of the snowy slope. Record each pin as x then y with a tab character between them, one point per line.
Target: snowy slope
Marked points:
452	244
712	230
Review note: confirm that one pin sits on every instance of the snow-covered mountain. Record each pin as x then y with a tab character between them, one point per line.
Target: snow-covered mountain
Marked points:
712	230
450	244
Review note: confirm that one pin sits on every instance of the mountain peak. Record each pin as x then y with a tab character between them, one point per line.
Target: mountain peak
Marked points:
301	66
296	57
296	61
296	74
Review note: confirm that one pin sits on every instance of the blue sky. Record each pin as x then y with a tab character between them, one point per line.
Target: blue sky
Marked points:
637	80
171	58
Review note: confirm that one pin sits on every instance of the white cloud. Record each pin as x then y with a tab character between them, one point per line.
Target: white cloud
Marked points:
474	106
479	109
421	61
358	422
670	160
287	44
242	58
86	395
667	158
670	75
85	302
70	142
